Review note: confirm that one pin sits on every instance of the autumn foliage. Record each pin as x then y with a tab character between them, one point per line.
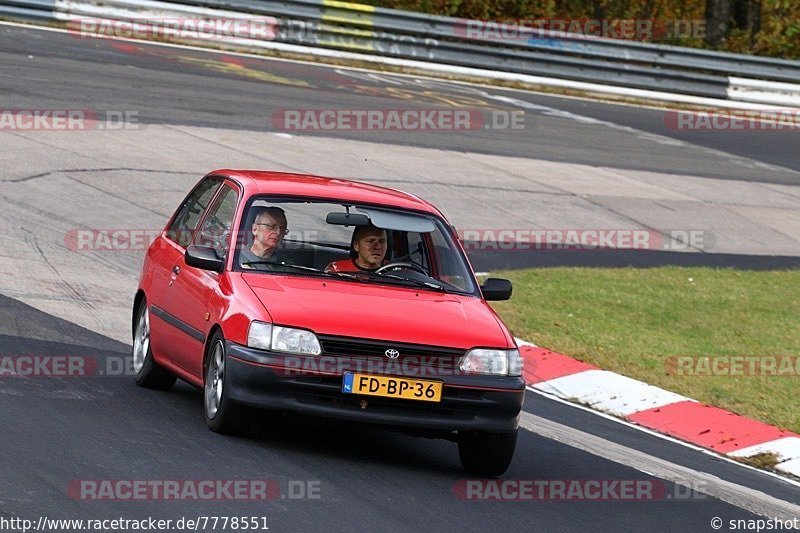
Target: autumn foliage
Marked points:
764	27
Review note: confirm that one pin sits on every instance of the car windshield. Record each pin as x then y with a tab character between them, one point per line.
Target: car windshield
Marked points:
357	243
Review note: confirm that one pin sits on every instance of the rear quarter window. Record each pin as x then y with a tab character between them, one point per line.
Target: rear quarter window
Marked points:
189	214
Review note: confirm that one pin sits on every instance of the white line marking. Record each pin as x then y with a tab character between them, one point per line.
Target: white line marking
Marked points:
667	438
792	467
559	113
743	497
787	448
610	392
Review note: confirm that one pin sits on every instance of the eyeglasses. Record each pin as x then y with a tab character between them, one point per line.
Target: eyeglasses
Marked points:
274	228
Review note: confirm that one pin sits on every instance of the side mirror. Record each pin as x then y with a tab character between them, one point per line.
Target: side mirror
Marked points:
496	289
203	257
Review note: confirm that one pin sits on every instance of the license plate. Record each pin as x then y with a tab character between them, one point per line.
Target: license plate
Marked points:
392	387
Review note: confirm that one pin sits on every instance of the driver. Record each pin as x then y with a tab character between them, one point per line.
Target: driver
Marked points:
369	246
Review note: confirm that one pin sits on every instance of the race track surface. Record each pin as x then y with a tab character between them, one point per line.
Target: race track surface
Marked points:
575	165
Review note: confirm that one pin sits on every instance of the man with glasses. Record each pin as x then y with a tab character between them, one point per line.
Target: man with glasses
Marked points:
269	228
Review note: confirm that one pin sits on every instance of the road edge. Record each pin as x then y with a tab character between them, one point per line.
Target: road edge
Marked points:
734	436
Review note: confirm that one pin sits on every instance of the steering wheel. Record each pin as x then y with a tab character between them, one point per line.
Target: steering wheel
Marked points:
401	264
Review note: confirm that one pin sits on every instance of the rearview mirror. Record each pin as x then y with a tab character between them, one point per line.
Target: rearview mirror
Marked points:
347	219
496	289
204	257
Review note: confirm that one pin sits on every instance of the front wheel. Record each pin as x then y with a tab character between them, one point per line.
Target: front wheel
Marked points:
223	415
486	454
148	373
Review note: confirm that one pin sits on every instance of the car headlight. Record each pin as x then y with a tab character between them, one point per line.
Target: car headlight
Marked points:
295	341
266	336
492	362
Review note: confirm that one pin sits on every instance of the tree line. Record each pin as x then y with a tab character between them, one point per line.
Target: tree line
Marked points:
763	27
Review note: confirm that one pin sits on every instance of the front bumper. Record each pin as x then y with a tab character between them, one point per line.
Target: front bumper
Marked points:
479	403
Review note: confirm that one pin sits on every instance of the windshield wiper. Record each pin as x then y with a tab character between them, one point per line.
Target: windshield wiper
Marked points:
289	265
348	275
418	283
370	277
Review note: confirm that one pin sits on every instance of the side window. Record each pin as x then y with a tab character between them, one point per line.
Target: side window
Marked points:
216	228
185	222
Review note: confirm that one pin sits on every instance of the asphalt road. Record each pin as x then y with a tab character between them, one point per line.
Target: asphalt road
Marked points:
175	86
57	431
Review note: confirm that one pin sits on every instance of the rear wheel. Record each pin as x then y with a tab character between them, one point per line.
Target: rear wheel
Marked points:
486	454
148	373
223	415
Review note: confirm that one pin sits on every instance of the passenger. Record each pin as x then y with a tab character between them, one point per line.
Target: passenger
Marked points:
269	228
369	245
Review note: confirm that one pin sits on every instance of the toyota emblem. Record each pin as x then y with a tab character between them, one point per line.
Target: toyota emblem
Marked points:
391	353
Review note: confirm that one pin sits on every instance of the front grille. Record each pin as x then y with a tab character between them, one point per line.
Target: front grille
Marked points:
414	359
370	348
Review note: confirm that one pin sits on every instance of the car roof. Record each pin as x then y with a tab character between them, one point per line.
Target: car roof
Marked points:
267	182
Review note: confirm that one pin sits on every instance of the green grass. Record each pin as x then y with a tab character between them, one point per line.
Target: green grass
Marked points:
631	321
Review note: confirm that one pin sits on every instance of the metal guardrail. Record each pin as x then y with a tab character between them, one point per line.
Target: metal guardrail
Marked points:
33	9
407	35
448	28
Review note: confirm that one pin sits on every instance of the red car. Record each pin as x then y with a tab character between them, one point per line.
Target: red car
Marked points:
333	298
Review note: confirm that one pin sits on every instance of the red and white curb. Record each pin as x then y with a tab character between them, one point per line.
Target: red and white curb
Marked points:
665	412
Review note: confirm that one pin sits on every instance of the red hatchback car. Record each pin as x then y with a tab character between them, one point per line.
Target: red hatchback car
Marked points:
333	298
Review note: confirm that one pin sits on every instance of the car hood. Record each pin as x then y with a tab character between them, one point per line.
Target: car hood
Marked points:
380	312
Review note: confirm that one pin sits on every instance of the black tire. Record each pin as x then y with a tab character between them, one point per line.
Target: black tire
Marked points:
222	414
149	374
486	454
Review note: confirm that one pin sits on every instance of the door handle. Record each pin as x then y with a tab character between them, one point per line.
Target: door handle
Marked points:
176	270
